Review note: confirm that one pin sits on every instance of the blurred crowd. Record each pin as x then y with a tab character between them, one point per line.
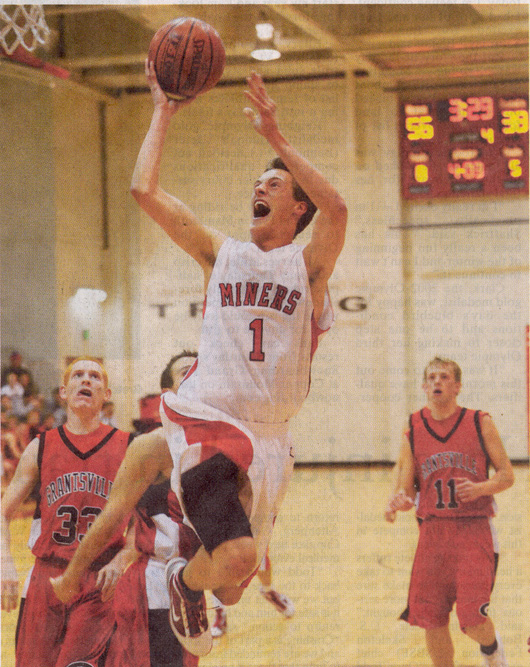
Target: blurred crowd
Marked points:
27	412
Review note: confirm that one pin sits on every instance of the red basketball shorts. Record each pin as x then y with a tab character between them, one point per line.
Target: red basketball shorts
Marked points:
52	634
455	562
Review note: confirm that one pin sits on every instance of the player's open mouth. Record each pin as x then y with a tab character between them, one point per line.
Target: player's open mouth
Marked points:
261	209
85	392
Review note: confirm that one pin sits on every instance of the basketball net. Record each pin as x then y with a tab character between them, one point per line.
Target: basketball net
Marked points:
22	25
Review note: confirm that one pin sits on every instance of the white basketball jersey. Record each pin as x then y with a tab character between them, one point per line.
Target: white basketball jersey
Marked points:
258	335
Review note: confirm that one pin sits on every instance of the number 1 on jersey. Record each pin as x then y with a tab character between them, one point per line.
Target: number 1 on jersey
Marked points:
257	354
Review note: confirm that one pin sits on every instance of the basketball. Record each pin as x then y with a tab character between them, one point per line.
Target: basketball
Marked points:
188	56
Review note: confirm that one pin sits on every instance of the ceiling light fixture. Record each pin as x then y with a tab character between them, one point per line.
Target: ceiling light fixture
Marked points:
265	48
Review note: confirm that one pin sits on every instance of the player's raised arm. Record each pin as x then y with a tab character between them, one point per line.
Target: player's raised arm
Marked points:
175	218
329	227
146	458
24	481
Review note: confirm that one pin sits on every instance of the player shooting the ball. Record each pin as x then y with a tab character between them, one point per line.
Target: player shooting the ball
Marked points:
267	304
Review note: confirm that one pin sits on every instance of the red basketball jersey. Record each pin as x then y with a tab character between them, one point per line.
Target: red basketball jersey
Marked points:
443	451
76	476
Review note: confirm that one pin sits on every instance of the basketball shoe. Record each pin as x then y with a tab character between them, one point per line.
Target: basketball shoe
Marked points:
188	619
497	659
220	625
278	600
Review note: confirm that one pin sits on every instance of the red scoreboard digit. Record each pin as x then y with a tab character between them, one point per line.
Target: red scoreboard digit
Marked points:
464	146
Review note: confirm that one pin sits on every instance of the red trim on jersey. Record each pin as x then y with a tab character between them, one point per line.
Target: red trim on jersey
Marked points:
175	510
316	332
191	370
145	532
189	543
215	437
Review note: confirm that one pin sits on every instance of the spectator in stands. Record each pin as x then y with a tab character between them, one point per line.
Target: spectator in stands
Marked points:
31	427
35	402
11	446
11	453
15	391
15	366
47	422
26	380
7	405
58	408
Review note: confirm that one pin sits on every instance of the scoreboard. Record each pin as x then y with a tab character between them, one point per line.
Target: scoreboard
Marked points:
464	146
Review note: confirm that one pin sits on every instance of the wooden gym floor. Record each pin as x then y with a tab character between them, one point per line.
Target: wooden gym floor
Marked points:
347	572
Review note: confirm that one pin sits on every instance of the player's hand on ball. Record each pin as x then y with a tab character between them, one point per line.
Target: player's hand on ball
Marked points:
160	99
263	118
64	590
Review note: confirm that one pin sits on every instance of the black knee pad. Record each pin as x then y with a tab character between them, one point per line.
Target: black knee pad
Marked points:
210	495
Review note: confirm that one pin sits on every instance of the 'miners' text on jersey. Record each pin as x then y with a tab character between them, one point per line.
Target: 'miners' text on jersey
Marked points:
443	452
258	335
76	473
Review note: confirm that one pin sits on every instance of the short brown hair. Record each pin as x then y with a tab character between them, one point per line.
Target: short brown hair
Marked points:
298	194
166	379
457	371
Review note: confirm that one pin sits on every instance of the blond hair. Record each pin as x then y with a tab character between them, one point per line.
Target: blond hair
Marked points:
457	371
96	360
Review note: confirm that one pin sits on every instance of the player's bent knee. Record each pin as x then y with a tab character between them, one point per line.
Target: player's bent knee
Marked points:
210	496
229	595
238	557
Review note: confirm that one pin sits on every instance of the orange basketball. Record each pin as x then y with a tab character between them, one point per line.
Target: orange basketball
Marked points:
188	56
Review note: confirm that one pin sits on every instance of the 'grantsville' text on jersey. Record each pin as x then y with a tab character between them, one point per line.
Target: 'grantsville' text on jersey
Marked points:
443	452
76	476
258	335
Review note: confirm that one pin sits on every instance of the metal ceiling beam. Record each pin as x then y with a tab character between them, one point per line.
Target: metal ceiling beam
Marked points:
493	33
55	10
501	9
307	25
232	72
326	38
237	51
492	72
314	46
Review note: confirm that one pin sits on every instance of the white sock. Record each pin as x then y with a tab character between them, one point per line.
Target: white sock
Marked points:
217	602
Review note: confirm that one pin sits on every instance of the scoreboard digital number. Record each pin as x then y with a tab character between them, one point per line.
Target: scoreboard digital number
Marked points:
460	147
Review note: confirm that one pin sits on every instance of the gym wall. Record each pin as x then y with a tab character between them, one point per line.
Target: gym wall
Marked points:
400	294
